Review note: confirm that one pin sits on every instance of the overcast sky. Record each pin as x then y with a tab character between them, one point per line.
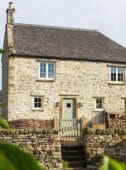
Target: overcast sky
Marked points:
107	16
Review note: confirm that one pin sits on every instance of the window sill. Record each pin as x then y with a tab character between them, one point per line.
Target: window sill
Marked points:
98	110
46	80
116	83
37	109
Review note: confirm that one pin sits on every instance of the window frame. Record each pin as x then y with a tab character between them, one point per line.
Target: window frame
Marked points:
124	100
47	71
117	75
99	109
33	103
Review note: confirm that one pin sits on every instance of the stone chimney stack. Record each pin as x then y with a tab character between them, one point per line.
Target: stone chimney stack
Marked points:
9	26
10	13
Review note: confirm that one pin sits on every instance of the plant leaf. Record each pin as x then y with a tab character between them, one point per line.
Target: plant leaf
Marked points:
3	51
16	159
5	163
110	164
4	123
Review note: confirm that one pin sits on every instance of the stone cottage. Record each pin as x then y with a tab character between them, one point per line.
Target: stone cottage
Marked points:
54	72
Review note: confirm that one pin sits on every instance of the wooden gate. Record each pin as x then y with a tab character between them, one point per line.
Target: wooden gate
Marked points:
70	129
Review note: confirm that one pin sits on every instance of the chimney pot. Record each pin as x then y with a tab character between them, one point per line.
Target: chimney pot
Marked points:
11	5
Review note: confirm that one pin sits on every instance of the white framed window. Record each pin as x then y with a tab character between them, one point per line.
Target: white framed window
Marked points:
117	74
47	71
99	104
37	103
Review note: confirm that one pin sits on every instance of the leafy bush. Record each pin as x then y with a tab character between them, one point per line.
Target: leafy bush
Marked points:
13	158
111	164
3	123
3	51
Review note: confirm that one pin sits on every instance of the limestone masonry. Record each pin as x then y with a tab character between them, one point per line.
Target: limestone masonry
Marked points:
51	73
86	80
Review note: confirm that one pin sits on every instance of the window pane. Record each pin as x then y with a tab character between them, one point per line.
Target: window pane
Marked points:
120	74
113	73
99	104
42	70
50	70
37	102
117	74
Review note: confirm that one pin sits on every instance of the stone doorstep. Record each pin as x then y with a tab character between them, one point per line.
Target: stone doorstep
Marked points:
70	143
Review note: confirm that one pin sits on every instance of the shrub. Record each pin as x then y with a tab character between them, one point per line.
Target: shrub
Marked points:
110	164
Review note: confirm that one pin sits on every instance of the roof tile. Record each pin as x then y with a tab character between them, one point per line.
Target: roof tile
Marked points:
65	43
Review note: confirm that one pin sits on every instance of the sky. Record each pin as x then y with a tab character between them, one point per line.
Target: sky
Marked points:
107	16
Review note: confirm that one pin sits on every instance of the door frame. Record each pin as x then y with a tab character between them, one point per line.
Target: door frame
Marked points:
74	97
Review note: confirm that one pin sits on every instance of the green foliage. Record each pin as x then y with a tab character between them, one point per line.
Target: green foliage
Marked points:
2	105
110	164
13	158
3	123
65	164
2	51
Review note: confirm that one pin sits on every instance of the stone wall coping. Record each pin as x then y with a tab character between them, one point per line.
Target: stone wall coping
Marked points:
102	132
29	131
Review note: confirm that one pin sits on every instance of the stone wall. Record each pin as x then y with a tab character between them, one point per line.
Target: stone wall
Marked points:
117	121
44	145
31	124
6	85
112	145
84	80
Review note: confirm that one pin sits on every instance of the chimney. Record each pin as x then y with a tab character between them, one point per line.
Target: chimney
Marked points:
10	13
9	26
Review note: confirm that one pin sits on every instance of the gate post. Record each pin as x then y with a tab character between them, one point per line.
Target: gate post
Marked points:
82	122
56	123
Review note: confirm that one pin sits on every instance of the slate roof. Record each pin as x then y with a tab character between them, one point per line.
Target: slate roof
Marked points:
65	43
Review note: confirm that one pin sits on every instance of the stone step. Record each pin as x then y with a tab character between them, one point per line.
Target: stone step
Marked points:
71	148
75	168
73	153
73	157
76	164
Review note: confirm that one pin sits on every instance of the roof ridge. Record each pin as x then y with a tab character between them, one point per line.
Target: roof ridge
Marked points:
57	27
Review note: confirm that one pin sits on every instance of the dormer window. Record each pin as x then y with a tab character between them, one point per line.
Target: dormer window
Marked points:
47	71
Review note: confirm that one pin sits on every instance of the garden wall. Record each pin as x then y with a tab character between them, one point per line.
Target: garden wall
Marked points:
112	145
43	145
31	124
